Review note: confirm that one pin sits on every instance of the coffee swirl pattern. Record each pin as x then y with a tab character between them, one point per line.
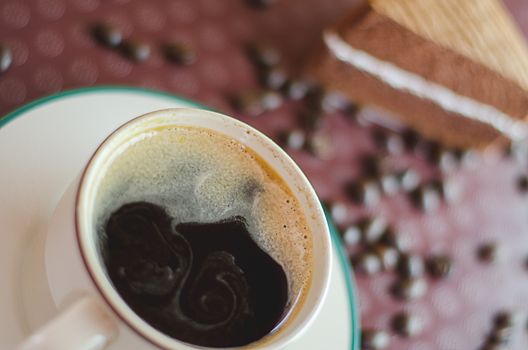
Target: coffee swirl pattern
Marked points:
207	284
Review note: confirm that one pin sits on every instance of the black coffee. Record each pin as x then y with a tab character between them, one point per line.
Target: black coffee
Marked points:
201	238
206	284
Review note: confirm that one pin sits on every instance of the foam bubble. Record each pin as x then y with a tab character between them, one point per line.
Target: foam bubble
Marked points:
199	175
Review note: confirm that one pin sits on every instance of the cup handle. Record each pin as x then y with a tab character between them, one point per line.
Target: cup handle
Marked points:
85	325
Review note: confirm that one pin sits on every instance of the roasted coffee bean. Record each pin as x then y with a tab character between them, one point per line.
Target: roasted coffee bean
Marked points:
310	119
390	238
426	197
500	336
374	339
504	319
409	179
371	229
334	101
260	4
179	53
439	266
448	160
410	139
371	166
6	58
263	55
338	212
430	150
389	184
350	111
294	139
522	183
366	192
488	252
254	103
410	265
136	50
409	288
406	325
351	235
489	346
367	263
273	78
388	256
296	88
107	34
247	102
270	100
320	146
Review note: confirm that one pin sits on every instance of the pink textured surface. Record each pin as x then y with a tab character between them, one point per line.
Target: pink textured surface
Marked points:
53	51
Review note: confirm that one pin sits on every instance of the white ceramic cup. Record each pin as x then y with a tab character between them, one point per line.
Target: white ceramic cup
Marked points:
70	302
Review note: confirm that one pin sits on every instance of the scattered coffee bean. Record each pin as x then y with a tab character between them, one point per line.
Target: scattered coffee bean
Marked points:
406	325
351	111
410	139
366	192
367	263
395	144
430	150
379	136
296	88
371	165
294	139
338	212
489	346
390	238
426	197
6	58
522	183
409	288
409	179
410	265
388	256
374	339
310	119
260	4
179	53
449	160
371	229
270	100
264	55
389	184
439	266
248	102
500	336
504	319
321	146
254	102
107	34
488	252
333	101
273	78
136	50
351	235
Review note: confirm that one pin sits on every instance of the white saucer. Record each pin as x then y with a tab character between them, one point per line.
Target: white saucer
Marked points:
41	153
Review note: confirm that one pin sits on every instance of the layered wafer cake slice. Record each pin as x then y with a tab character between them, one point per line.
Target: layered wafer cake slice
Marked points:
455	70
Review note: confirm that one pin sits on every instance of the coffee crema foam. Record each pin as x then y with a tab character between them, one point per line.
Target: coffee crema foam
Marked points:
199	175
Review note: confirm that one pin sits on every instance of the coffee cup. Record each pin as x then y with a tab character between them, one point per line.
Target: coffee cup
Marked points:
69	300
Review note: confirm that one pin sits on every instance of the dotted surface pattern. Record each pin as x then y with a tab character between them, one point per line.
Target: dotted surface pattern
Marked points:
53	51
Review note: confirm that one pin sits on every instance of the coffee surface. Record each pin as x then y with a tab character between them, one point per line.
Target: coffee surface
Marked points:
201	238
207	284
